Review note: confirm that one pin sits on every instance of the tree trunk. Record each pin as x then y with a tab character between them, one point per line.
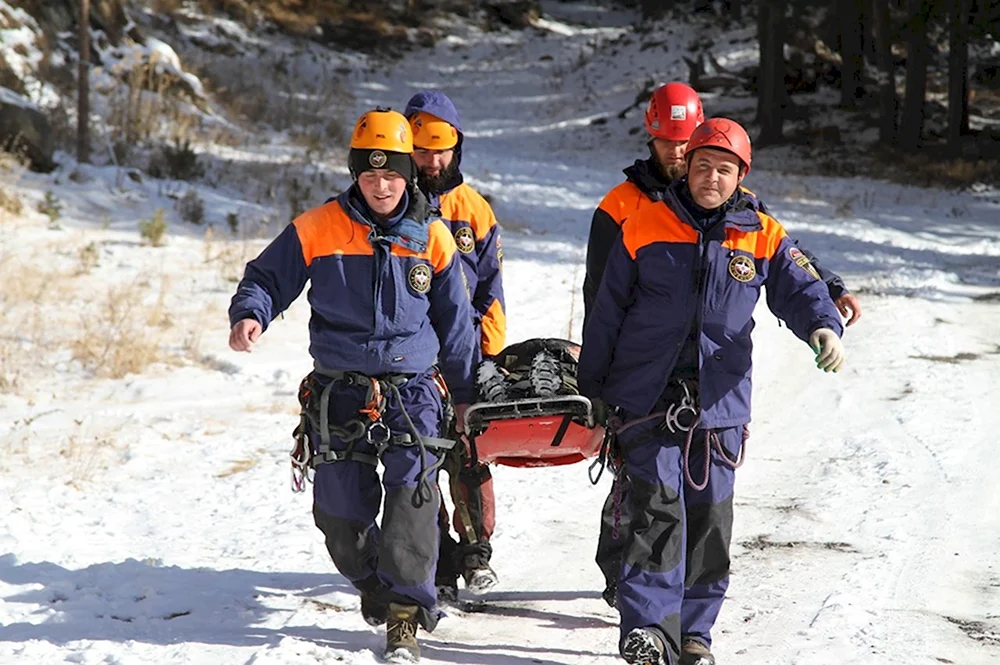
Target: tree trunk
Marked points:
771	93
734	8
852	32
869	47
911	127
886	75
83	91
653	9
958	72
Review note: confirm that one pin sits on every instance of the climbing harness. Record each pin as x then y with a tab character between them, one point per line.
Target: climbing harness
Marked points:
382	393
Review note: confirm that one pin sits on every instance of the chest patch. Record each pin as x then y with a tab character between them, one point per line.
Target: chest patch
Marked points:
420	278
465	240
742	268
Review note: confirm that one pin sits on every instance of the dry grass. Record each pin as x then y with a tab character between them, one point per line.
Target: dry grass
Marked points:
89	256
10	203
307	18
166	7
121	335
25	330
933	171
146	108
229	257
137	107
11	171
241	466
86	454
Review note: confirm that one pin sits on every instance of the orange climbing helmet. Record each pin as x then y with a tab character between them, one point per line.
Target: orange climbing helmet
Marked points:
382	139
432	133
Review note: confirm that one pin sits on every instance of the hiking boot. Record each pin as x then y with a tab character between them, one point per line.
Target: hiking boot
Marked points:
447	592
610	595
401	632
694	652
374	600
374	608
480	580
642	646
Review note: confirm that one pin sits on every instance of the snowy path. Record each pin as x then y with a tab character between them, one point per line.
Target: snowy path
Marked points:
149	520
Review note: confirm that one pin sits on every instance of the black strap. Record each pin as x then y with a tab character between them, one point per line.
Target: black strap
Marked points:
561	432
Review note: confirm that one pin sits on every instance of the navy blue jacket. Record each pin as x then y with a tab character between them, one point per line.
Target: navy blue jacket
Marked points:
385	298
663	277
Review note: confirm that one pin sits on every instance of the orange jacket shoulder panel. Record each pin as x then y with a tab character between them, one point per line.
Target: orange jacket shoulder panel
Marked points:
622	201
328	230
465	204
654	222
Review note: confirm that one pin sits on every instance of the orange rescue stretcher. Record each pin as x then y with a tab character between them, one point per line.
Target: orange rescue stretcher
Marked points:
549	431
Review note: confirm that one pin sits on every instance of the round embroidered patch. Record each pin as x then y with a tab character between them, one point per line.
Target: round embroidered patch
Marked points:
465	240
377	159
420	278
742	269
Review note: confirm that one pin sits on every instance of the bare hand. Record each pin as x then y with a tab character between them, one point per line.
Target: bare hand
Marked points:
460	410
244	335
596	438
850	308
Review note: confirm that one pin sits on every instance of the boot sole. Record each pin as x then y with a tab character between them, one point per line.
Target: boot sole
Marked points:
401	655
482	584
641	649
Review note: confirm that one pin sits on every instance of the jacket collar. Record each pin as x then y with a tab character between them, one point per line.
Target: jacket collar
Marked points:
646	175
737	213
409	229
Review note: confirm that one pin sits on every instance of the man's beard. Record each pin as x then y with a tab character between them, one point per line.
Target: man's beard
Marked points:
673	171
436	183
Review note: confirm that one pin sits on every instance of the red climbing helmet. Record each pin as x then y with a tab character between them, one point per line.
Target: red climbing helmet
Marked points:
722	134
674	112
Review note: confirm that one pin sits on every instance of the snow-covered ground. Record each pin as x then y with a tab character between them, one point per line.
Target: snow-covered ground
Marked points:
147	518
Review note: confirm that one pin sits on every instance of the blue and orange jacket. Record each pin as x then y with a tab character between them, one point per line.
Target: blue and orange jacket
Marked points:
477	236
475	229
645	182
385	298
663	277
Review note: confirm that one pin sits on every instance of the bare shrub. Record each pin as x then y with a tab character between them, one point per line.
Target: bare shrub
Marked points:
191	207
137	107
89	257
296	98
232	259
10	202
51	207
178	161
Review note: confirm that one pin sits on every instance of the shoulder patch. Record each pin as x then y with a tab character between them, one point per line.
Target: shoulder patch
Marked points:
802	261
